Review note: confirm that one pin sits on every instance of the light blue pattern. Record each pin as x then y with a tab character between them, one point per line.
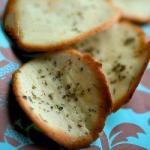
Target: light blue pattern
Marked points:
11	133
10	67
128	116
2	57
146	29
97	143
142	88
148	67
3	40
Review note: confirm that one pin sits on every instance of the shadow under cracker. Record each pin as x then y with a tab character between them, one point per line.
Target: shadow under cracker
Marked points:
21	123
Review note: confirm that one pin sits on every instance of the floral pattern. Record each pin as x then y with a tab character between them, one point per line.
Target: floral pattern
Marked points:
120	134
128	128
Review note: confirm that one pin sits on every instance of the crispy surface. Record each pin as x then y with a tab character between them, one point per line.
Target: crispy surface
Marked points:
124	53
45	34
67	89
135	10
